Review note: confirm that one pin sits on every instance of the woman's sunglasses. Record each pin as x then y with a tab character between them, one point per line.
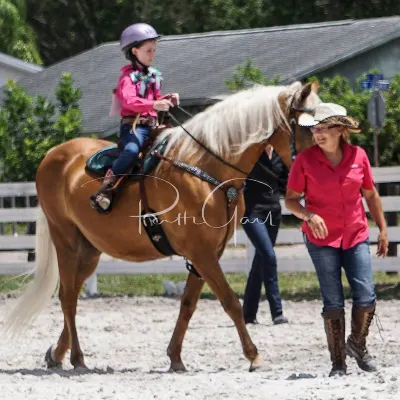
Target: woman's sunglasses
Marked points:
314	129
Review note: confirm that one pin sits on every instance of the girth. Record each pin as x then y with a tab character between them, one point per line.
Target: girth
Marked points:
152	224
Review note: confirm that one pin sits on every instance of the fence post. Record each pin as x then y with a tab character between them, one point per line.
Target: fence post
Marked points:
1	224
14	225
31	227
391	218
91	285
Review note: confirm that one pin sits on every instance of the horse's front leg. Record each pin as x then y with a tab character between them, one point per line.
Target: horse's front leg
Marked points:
209	268
188	305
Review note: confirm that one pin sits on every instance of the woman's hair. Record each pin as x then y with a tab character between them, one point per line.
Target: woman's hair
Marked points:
345	138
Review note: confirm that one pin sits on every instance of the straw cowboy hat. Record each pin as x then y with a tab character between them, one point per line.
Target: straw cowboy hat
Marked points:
329	113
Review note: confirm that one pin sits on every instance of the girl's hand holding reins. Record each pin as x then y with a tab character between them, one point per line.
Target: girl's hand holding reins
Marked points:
162	105
175	98
318	227
383	244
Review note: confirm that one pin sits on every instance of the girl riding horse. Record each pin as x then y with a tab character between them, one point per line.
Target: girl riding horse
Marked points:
139	97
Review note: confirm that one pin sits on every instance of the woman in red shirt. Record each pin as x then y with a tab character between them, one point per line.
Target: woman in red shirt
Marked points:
333	175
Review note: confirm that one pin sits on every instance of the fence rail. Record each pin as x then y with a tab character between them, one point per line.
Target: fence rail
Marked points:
11	214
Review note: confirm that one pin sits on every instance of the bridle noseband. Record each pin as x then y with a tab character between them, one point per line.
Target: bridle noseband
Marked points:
293	123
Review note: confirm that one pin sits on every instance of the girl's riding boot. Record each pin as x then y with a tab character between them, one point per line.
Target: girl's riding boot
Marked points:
102	198
356	346
335	333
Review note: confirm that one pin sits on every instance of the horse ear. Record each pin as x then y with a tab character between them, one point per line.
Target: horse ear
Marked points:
305	92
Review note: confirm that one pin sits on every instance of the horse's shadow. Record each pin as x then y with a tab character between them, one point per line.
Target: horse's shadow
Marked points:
66	372
110	371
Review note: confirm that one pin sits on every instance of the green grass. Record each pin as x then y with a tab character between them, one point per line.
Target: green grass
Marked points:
20	228
293	286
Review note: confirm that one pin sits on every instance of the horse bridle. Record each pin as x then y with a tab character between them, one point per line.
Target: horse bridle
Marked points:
293	123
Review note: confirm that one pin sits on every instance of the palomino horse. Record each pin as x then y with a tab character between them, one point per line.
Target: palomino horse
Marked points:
232	134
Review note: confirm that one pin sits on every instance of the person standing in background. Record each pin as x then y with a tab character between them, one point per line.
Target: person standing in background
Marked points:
261	223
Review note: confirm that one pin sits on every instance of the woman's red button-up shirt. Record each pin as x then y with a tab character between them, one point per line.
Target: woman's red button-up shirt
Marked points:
334	193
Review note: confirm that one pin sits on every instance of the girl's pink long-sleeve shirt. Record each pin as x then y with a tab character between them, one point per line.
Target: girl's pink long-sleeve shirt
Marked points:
127	94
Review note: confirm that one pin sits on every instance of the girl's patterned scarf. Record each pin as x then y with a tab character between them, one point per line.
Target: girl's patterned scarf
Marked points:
153	76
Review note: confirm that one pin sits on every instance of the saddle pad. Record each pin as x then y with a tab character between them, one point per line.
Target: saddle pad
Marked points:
103	159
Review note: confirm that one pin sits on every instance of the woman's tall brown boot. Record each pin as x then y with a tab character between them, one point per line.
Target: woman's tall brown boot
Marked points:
356	346
335	333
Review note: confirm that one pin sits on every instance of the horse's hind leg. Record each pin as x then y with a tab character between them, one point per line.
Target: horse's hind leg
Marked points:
188	306
77	260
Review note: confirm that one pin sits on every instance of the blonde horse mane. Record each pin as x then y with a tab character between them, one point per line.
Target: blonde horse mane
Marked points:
234	124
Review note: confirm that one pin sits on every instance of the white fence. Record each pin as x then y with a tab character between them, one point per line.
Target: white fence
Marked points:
290	257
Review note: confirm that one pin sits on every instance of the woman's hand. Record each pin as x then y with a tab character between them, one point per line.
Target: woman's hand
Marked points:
318	227
383	244
162	105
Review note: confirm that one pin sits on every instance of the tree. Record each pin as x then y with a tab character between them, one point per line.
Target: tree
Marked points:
389	138
16	37
30	126
67	28
246	75
338	90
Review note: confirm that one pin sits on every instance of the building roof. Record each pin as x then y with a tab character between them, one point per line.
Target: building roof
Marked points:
196	65
18	64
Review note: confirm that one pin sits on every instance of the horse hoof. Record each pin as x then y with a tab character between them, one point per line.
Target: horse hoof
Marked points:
177	367
257	363
49	360
81	368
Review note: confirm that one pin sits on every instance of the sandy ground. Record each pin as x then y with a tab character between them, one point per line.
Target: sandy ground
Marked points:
125	342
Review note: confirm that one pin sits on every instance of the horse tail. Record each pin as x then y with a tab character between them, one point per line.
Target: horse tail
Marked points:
43	286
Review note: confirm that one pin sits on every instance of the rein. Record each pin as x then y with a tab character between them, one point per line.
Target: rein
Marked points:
293	150
266	169
206	148
231	192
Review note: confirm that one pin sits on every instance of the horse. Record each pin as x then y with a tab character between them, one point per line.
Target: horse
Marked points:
223	142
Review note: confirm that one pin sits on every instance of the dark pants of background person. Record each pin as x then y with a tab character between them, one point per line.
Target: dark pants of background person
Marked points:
262	235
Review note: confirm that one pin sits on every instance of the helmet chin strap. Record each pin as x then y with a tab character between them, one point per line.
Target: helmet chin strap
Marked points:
135	61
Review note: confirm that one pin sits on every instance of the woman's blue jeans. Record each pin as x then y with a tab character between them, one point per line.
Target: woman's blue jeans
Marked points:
262	235
132	144
356	262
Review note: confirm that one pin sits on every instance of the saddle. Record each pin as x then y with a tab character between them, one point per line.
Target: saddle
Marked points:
102	160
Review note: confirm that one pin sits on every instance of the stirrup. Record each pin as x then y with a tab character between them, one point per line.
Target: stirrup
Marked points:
101	203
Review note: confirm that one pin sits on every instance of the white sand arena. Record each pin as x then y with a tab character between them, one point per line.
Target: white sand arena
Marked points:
125	340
